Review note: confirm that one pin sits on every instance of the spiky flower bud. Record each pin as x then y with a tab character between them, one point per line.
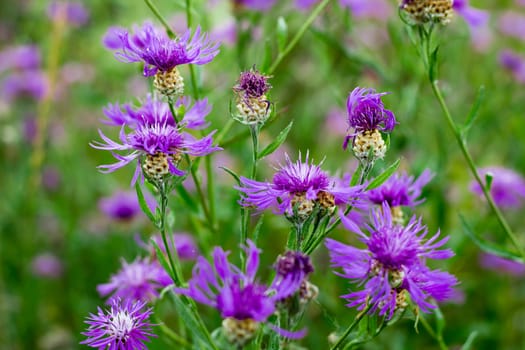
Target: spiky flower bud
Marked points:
252	105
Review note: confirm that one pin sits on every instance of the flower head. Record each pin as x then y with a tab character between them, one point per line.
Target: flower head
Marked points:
424	11
139	280
507	188
252	84
158	51
236	294
301	185
400	190
124	326
184	243
72	12
392	266
20	58
154	138
47	265
253	107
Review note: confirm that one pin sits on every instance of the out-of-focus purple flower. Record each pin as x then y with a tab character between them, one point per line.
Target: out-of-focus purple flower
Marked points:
392	267
475	18
125	326
258	5
184	243
294	266
47	265
157	50
335	123
507	188
512	24
379	9
74	13
299	184
140	280
20	58
513	62
497	263
304	4
154	139
32	83
236	294
400	190
225	32
51	178
124	205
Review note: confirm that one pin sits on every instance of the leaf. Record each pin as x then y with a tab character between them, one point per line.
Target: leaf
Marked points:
470	340
143	204
282	34
489	247
488	181
267	57
279	140
473	114
162	260
186	197
257	229
232	173
192	324
356	175
432	63
440	320
381	178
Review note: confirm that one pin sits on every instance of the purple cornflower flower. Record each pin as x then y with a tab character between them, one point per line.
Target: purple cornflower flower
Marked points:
158	51
139	280
497	263
298	184
72	12
154	139
20	58
124	326
32	83
514	63
124	205
474	17
507	188
184	243
392	265
237	295
400	190
47	265
253	107
252	84
366	118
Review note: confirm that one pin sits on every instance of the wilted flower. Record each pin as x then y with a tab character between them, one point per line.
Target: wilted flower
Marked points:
124	326
400	190
154	139
297	188
242	302
507	187
392	267
124	205
253	107
161	54
140	280
366	118
425	11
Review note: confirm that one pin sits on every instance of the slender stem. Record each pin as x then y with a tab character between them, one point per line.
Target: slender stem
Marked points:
162	20
171	334
433	334
44	107
188	13
317	10
350	328
174	262
473	169
254	131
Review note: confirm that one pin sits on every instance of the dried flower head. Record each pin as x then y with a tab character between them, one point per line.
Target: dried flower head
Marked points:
124	326
425	11
252	105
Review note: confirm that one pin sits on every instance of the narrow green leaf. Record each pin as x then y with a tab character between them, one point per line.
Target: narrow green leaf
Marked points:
232	173
279	140
440	321
282	34
267	57
143	204
381	178
470	340
487	246
488	181
356	175
432	63
162	260
257	229
191	323
473	114
186	198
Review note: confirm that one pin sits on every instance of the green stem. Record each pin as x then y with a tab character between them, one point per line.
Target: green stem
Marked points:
171	334
188	13
254	131
433	334
350	328
317	10
162	20
174	262
473	169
